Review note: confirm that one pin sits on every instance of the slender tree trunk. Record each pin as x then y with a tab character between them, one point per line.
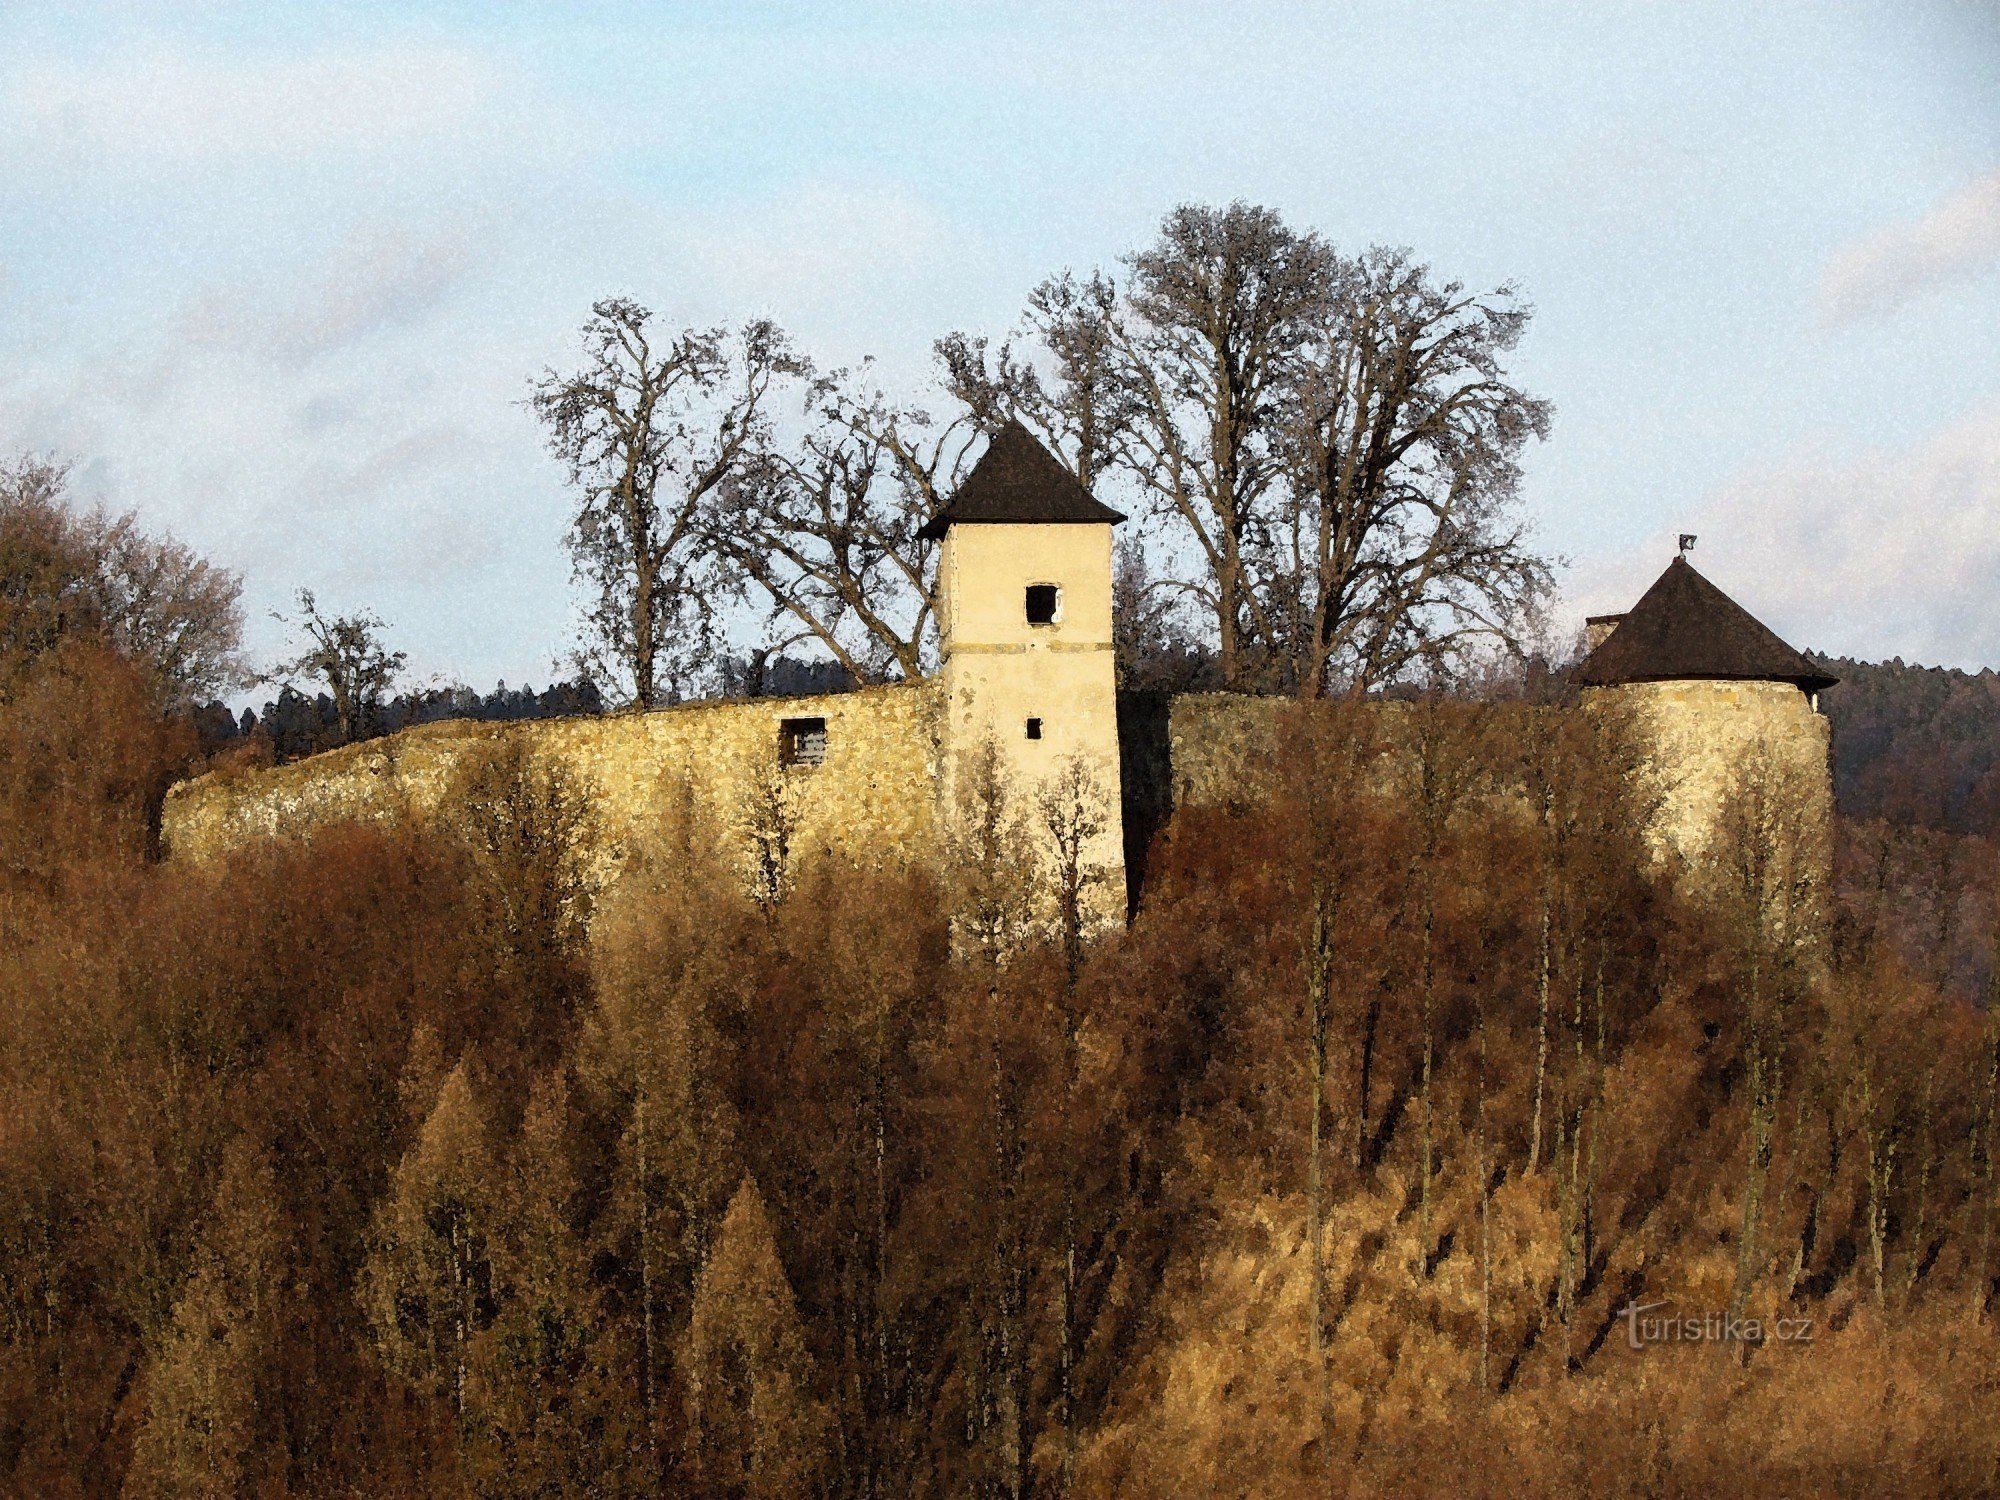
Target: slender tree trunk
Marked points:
1227	619
878	1422
644	581
1881	1172
1430	1048
1596	1119
1072	972
1366	1071
1764	1087
648	1353
1541	1037
1319	978
461	1272
1013	1416
1920	1230
1982	1285
1485	1149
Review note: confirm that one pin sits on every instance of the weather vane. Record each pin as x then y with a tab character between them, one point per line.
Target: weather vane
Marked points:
1687	543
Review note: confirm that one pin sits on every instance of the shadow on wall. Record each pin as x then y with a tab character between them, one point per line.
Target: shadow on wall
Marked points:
1146	772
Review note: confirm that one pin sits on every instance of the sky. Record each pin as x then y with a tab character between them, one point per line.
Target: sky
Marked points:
276	277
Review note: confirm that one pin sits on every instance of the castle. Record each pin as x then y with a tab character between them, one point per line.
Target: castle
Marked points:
1027	685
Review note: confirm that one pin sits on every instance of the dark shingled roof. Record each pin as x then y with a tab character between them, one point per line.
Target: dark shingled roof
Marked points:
1017	480
1686	627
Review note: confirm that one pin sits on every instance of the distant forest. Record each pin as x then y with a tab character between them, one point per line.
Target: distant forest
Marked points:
1916	745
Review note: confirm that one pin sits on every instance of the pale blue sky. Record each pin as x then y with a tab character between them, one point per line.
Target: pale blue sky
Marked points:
277	276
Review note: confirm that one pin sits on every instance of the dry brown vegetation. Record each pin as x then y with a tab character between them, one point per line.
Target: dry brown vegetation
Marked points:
407	1162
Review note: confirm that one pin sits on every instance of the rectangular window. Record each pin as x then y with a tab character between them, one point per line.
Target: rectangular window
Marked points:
1042	599
801	742
1034	729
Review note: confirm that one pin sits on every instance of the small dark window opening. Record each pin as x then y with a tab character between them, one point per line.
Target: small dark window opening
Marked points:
1034	729
801	742
1042	603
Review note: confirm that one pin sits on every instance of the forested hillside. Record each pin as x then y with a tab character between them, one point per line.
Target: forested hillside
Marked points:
1917	745
404	1161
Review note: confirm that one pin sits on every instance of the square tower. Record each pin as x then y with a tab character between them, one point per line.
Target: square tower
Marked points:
1024	614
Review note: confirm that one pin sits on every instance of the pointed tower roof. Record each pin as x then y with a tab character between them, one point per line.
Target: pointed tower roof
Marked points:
1685	627
1018	481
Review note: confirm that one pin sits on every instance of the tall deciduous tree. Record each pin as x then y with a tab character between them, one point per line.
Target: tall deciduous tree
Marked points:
1765	873
650	429
1328	445
552	1408
1071	806
1442	768
1076	398
527	820
654	1054
1218	312
427	1287
1398	536
203	1383
824	531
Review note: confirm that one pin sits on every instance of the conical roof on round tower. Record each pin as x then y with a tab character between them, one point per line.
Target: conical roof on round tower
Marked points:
1018	482
1684	627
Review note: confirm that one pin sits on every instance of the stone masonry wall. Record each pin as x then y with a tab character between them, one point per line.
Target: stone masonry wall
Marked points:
1703	734
873	795
1216	749
1219	747
877	792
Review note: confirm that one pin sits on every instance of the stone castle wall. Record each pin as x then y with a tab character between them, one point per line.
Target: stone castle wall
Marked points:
1700	738
877	792
1219	746
874	794
1704	736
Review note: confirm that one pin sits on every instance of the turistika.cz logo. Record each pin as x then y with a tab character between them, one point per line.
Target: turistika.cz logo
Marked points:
1657	1323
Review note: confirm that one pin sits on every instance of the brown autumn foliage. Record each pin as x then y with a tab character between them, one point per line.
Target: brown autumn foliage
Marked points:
401	1161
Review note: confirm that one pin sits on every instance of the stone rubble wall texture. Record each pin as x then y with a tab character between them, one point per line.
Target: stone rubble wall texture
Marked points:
1219	747
877	793
1700	737
874	795
1703	737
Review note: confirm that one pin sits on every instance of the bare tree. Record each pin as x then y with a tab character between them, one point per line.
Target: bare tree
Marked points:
1076	398
1218	312
1071	804
347	654
528	822
650	429
1767	870
1443	772
151	598
1329	445
1397	534
826	531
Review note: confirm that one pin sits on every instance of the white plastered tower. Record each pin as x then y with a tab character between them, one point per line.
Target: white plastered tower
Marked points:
1024	614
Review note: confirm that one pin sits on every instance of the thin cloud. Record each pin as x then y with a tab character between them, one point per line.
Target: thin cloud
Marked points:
381	277
146	110
1953	242
1880	553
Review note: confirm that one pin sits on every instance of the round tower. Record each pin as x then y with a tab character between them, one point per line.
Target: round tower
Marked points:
1024	620
1721	699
